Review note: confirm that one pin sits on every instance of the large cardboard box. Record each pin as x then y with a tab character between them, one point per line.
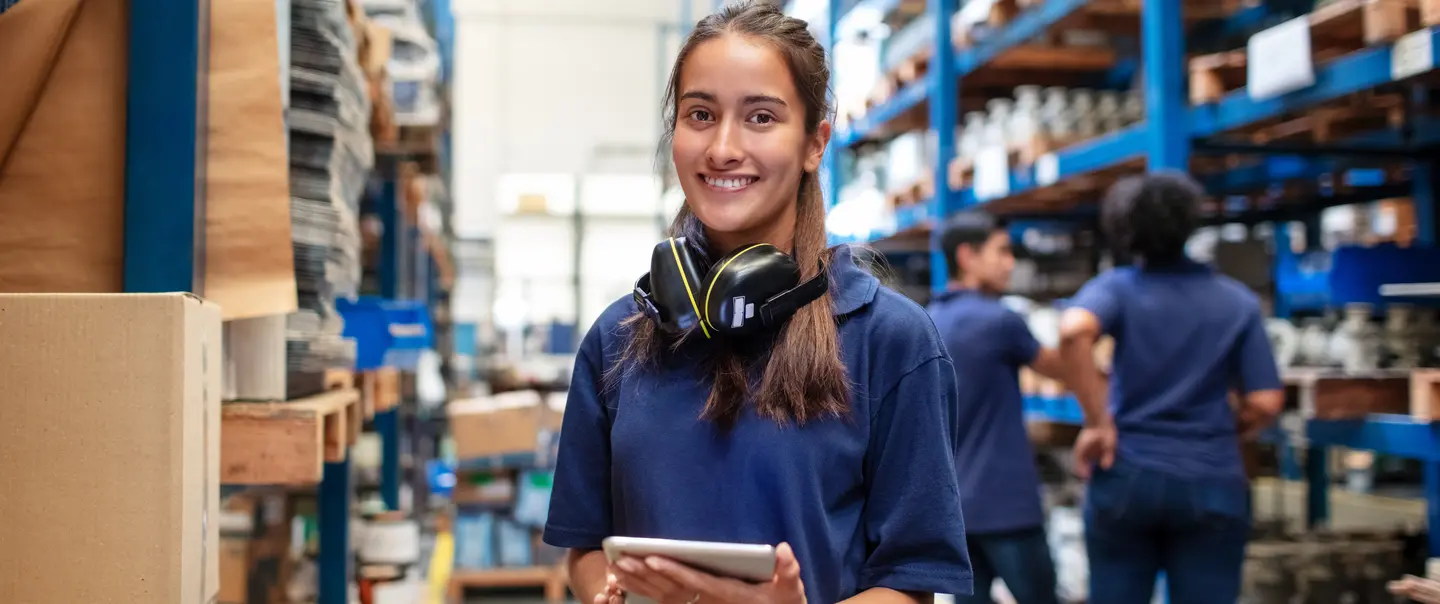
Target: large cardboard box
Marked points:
504	424
110	441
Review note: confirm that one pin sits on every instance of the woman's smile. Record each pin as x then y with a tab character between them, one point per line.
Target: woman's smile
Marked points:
728	183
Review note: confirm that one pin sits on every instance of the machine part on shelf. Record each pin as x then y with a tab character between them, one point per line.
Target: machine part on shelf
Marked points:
1314	343
1356	343
1401	339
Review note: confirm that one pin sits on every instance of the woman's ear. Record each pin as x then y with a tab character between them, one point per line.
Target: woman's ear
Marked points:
815	146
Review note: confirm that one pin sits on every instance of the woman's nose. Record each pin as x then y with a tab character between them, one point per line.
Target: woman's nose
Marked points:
724	149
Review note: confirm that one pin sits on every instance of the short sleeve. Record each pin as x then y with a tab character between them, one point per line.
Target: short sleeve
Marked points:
1254	360
580	503
1019	343
913	524
1101	298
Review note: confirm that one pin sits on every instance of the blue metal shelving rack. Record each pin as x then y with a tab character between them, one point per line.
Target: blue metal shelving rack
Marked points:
165	222
1172	130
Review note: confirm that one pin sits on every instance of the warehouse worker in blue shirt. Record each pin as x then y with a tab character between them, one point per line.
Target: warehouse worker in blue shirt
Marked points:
759	387
1167	488
999	483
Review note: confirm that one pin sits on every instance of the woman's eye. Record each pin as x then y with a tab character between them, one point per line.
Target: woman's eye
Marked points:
763	119
700	115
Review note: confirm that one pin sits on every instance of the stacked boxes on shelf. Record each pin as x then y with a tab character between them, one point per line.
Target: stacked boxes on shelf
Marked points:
331	153
505	444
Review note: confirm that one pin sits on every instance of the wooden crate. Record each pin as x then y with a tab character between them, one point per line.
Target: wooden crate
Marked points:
1336	29
379	389
552	579
1333	394
284	443
919	191
1425	394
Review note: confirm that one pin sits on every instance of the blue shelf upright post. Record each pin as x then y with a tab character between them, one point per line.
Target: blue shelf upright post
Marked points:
333	508
1167	115
944	98
167	119
387	423
1426	173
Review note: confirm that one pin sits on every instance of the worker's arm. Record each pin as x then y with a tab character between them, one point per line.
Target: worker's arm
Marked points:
1023	349
1049	363
1258	410
1079	329
588	570
1259	376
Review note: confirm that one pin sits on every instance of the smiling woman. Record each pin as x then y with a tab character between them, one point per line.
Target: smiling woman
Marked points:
828	433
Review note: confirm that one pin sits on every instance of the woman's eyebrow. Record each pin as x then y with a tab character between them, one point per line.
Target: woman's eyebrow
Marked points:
748	100
764	98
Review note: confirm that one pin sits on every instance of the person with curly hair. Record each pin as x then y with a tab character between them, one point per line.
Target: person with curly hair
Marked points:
1161	446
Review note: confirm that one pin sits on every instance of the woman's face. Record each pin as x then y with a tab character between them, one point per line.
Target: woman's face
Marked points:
740	144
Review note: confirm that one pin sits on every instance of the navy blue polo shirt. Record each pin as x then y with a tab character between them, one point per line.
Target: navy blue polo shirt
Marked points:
1184	337
866	501
989	343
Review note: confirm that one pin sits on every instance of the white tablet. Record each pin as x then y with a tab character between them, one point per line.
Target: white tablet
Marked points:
746	562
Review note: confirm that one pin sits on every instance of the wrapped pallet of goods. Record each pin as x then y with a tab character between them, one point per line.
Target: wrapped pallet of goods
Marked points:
331	154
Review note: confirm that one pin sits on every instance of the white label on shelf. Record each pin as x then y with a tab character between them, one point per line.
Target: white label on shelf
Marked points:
974	13
1412	54
1047	170
1278	60
992	173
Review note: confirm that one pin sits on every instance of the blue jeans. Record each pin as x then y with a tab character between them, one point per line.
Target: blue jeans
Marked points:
1139	522
1019	558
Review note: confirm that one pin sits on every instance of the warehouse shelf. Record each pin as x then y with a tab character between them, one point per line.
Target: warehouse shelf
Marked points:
1370	81
296	442
876	120
1358	72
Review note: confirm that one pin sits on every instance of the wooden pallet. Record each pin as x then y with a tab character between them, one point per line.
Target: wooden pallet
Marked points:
1112	16
552	579
380	389
284	443
1336	29
344	379
1430	13
917	192
1328	122
1325	393
1425	394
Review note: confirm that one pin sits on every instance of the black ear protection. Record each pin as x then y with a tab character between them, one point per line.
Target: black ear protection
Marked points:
753	288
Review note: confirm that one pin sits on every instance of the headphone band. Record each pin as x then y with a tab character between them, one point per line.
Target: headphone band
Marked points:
786	303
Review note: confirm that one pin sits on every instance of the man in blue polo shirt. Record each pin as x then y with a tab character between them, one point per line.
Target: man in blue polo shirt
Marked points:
999	483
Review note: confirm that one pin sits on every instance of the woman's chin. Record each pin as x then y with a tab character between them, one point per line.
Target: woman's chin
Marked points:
724	219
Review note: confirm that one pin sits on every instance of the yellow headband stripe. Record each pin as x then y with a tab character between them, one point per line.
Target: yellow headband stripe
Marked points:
684	279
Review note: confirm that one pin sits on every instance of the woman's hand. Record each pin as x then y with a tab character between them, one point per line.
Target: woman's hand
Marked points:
669	582
1095	445
612	594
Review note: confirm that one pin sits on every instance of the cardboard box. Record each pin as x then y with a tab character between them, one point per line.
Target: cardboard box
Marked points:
111	448
508	423
234	570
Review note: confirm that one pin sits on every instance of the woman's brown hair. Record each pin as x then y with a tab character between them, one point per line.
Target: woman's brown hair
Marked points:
801	377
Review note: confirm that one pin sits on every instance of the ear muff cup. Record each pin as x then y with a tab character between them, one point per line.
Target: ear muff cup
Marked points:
675	286
739	285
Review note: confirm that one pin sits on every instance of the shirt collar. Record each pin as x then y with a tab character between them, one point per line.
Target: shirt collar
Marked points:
851	286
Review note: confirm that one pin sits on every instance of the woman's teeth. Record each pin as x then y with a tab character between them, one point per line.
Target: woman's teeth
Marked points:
733	184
